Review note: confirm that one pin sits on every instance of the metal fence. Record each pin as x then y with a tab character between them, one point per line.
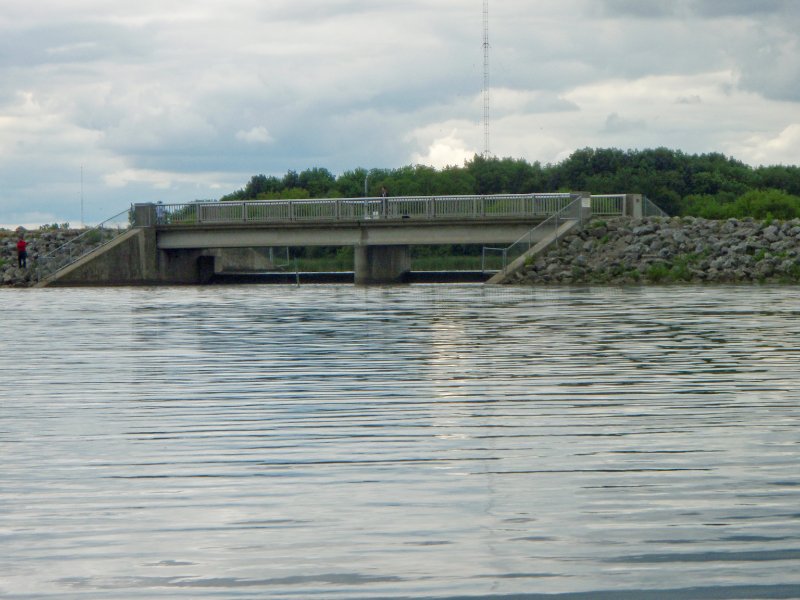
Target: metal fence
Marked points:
361	209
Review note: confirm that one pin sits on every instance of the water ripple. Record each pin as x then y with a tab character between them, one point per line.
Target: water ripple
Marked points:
400	442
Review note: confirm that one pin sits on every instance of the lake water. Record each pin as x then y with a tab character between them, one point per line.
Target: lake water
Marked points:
400	442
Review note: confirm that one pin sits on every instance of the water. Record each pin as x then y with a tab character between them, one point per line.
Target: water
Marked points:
401	442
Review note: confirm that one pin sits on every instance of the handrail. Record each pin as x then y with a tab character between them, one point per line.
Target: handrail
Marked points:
601	205
651	209
573	211
82	245
353	209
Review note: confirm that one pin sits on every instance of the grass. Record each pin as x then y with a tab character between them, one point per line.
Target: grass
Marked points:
678	270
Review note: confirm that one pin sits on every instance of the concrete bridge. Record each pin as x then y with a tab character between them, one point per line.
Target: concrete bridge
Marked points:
189	243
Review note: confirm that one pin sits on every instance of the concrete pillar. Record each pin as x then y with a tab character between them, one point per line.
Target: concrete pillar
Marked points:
381	264
634	206
585	208
144	215
148	255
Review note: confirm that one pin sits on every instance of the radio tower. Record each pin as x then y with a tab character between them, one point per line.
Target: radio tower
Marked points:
486	152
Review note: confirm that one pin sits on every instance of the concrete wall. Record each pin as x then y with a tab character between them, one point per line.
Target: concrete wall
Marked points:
123	261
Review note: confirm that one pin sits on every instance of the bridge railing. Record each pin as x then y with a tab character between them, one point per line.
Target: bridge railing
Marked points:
360	209
81	245
608	205
498	259
616	205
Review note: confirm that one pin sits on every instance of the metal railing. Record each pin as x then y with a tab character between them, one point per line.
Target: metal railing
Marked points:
81	245
550	226
602	205
358	209
608	205
650	209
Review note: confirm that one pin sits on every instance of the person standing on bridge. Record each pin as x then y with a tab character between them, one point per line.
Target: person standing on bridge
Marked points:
22	252
384	203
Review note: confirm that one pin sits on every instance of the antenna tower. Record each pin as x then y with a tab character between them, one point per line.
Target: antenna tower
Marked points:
486	151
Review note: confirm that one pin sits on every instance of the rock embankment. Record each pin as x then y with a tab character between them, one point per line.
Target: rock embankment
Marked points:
662	250
40	245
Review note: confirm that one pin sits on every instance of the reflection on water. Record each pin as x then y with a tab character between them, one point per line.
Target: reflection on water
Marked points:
422	441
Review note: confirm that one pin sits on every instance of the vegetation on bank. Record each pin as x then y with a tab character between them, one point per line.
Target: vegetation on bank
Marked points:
706	185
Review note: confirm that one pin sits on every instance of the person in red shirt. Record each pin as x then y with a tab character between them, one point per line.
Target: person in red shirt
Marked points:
22	252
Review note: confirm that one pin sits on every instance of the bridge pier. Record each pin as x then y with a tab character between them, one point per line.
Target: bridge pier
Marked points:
381	264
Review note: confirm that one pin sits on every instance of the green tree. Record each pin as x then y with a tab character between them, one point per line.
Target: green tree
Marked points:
319	182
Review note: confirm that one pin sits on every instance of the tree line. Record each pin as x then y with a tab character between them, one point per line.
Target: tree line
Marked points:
703	185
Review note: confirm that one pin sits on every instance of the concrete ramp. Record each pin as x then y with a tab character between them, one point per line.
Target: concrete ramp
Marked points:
119	261
548	240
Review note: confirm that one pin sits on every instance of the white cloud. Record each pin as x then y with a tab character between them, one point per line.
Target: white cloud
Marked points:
163	180
446	151
256	135
783	148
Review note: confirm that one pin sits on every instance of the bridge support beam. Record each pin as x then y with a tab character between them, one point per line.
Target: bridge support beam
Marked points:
381	264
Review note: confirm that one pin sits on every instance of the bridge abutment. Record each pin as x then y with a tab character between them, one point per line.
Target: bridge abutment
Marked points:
381	264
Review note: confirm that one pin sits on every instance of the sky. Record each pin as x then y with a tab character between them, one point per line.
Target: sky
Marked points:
105	103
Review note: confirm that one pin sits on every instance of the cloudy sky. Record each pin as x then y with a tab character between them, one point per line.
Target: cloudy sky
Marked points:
104	102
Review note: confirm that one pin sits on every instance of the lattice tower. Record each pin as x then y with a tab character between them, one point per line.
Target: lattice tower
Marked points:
486	151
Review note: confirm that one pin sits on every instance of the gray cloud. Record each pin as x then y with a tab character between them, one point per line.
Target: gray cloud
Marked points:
639	8
616	124
726	8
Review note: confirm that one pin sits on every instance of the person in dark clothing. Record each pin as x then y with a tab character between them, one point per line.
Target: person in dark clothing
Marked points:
22	253
384	203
